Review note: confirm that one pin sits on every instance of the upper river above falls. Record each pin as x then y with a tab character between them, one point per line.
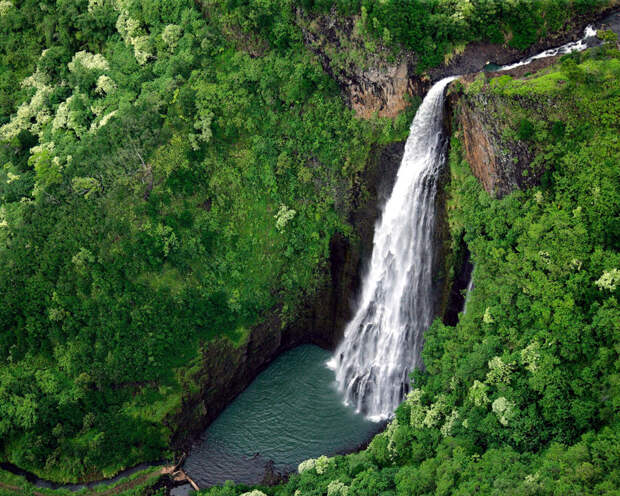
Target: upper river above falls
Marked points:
291	412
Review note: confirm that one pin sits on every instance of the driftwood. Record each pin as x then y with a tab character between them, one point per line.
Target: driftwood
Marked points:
177	474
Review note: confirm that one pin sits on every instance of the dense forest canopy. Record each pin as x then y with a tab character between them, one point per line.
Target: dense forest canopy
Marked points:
159	188
172	171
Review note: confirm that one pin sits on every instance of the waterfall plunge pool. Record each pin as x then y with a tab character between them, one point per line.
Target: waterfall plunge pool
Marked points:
291	412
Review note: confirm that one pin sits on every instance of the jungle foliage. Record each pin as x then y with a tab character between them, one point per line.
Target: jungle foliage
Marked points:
159	186
171	172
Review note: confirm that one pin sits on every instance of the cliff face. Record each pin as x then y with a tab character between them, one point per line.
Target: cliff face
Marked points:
498	163
371	81
384	91
485	124
225	369
489	126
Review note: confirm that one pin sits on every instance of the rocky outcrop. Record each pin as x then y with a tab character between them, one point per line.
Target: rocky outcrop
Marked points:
225	368
501	163
498	163
478	119
370	84
384	92
486	124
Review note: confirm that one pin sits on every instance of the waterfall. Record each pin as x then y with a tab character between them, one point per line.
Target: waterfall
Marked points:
470	286
383	341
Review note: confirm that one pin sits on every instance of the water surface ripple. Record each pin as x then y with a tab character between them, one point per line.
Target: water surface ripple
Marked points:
291	412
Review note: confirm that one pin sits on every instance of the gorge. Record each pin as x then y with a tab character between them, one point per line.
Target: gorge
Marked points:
383	341
187	207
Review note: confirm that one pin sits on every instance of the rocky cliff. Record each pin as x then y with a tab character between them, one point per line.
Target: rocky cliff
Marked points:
487	126
500	163
372	82
495	131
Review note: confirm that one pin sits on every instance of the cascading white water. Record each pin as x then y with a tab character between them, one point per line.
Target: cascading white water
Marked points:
383	341
470	286
573	46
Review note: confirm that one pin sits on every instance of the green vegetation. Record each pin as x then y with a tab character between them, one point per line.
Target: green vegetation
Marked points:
173	172
159	186
521	397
